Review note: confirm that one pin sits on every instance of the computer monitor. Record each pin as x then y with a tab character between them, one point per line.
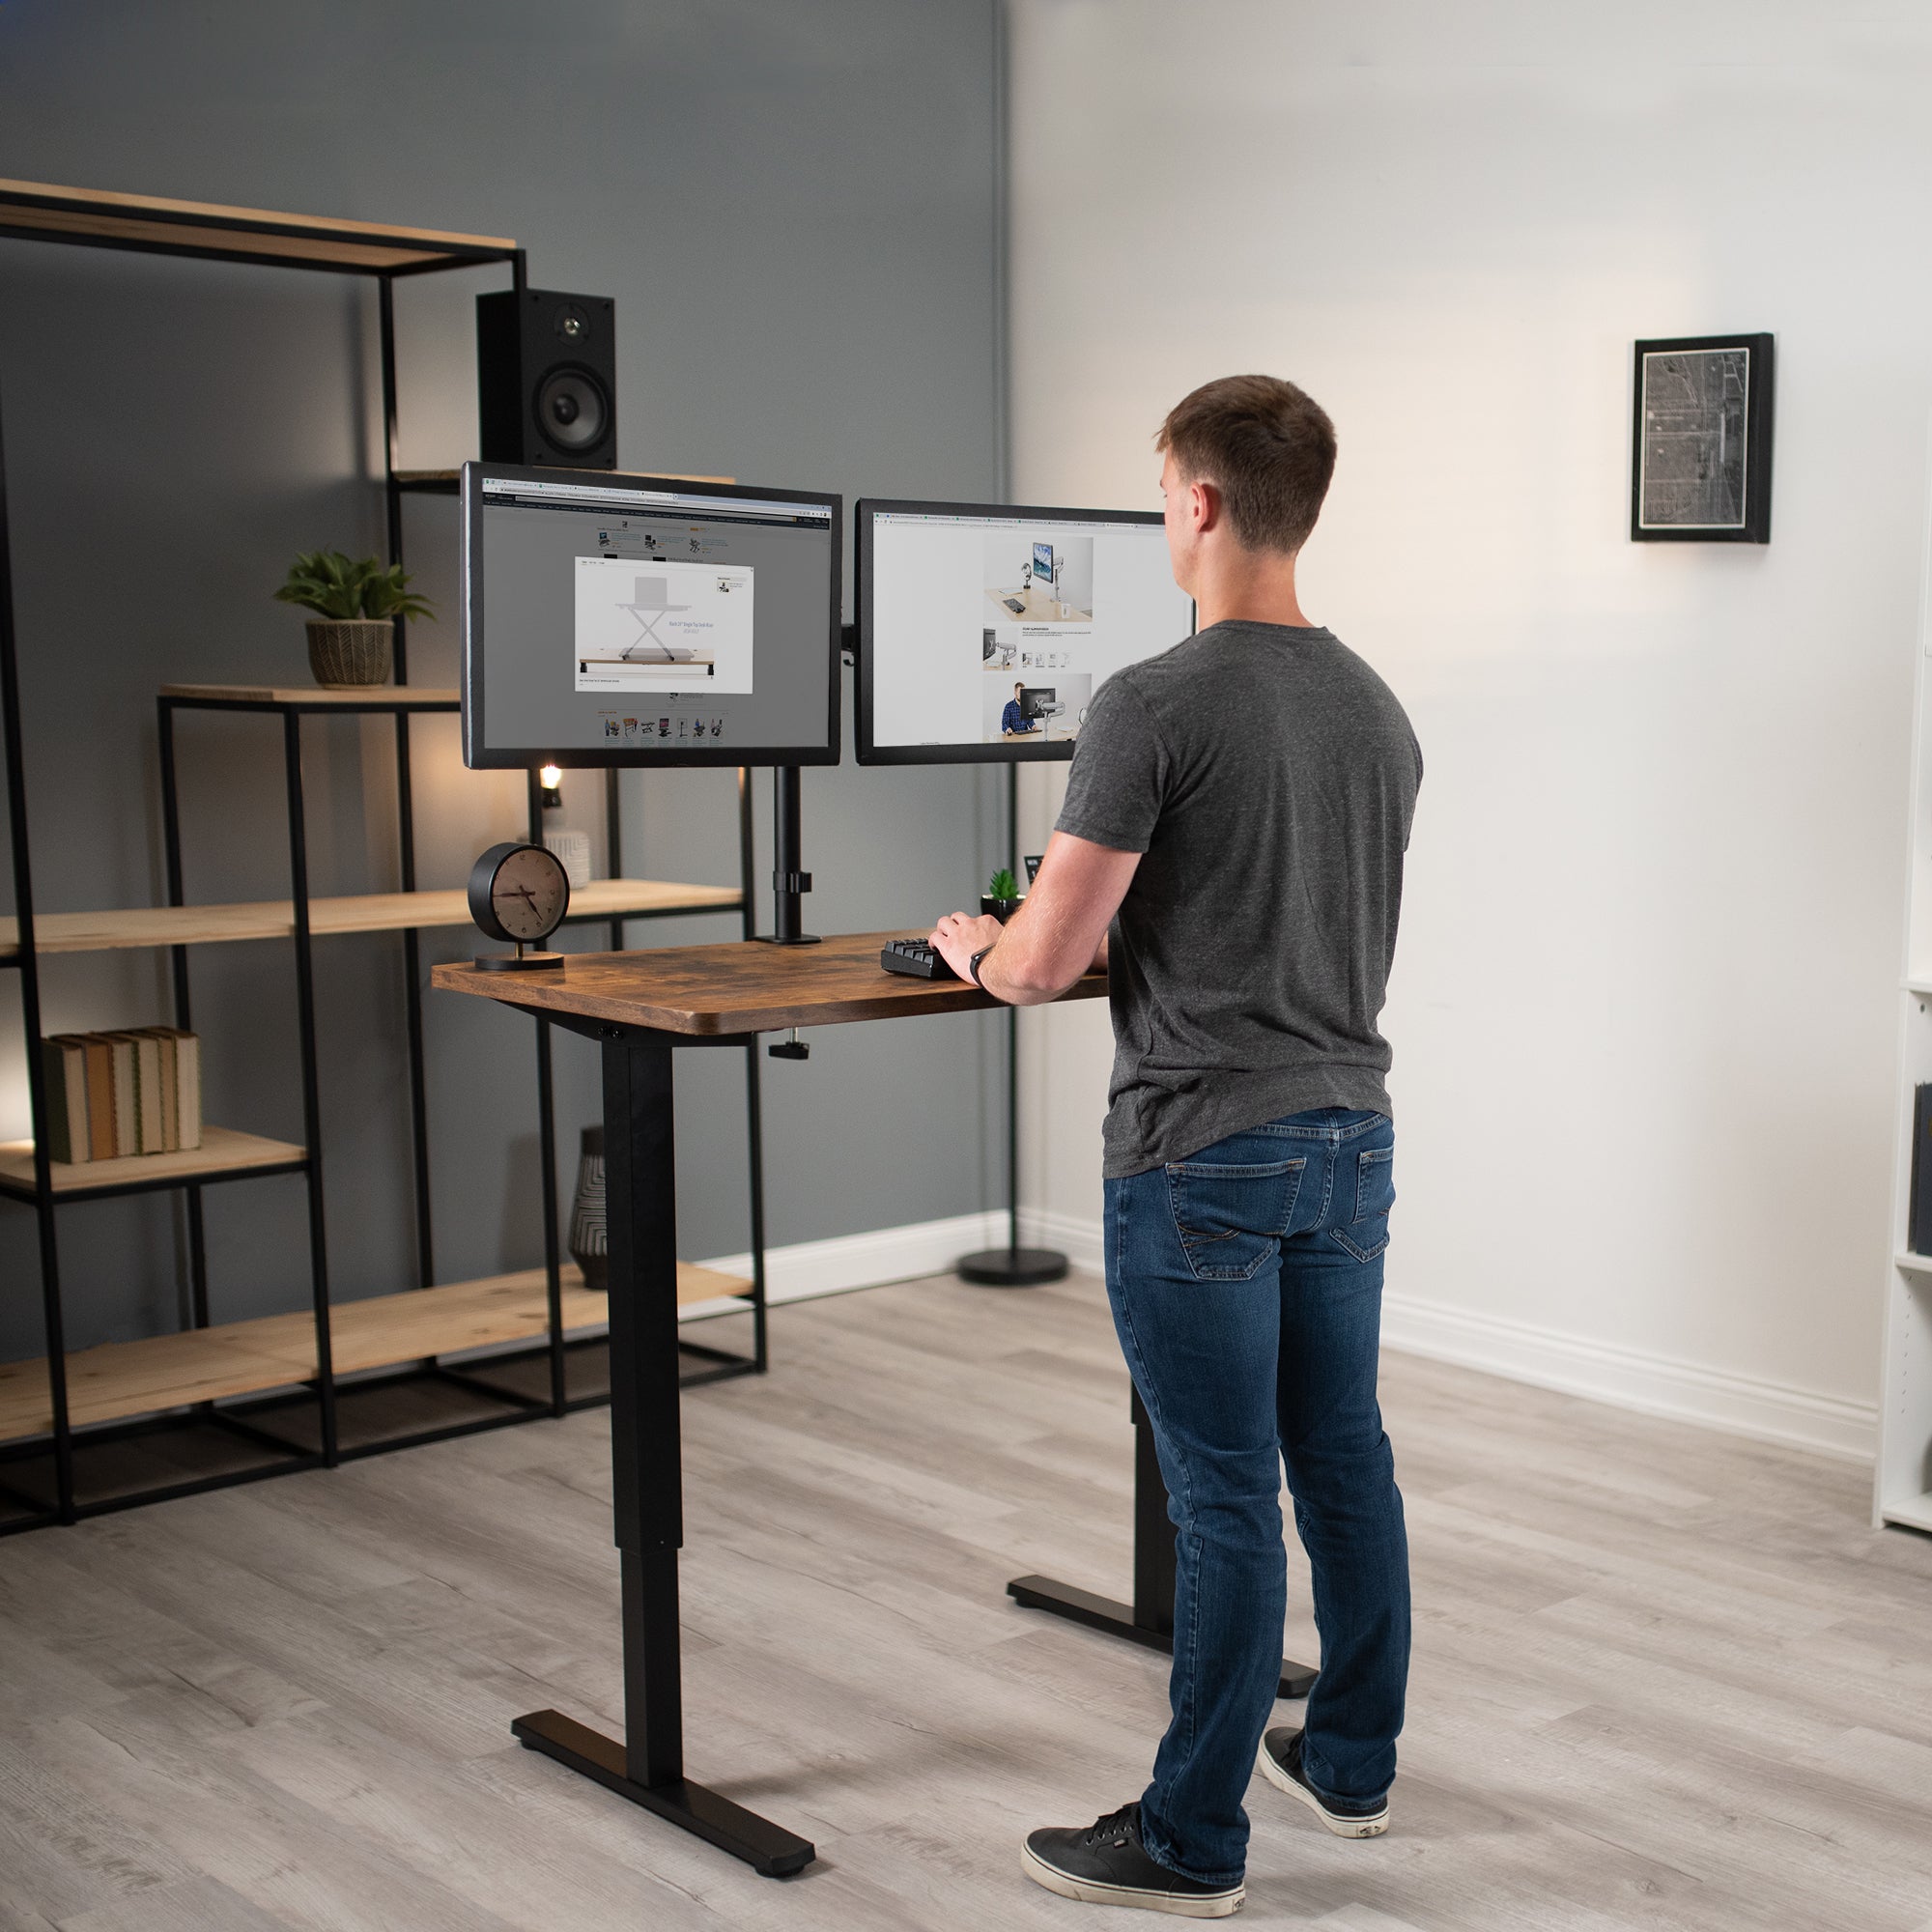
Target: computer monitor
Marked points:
960	618
644	620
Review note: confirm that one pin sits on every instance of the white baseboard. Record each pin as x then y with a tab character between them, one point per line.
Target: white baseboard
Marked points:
805	1269
1634	1378
1638	1378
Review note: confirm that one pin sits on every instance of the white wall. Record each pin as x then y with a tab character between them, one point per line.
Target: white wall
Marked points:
1643	1004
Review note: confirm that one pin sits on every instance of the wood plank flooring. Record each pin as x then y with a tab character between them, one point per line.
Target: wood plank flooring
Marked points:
1664	1678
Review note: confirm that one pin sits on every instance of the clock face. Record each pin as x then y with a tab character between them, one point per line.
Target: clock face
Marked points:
528	892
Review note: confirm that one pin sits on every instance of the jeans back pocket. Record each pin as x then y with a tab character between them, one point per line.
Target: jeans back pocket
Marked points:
1366	1234
1229	1218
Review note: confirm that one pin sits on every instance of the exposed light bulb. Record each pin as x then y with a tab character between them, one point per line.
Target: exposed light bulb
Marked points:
551	777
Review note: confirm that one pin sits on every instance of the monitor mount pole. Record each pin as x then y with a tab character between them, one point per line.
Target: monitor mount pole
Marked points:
1013	1267
790	881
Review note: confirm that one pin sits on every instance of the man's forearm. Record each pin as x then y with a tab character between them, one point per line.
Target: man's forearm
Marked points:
1058	935
1024	968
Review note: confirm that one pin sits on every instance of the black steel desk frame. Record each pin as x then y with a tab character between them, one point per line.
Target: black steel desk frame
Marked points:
647	1471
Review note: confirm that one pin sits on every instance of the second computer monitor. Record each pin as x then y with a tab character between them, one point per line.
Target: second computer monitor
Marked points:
984	630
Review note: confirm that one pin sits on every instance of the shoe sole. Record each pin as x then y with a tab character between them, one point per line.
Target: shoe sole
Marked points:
1216	1905
1370	1826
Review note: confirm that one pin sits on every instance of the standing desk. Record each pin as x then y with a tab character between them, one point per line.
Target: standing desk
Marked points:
640	1007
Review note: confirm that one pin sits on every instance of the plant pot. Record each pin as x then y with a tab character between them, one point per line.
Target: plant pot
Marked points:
350	651
590	1233
1001	909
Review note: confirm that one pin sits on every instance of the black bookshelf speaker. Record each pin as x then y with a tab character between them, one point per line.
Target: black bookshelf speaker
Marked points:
547	378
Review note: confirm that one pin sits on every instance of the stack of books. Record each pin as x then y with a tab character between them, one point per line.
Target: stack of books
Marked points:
114	1093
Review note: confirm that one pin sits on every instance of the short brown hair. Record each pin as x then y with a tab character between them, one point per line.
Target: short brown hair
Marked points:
1266	446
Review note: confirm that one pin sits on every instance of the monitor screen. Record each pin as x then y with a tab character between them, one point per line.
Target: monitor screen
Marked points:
640	620
985	630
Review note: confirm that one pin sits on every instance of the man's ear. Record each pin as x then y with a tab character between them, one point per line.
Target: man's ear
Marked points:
1205	504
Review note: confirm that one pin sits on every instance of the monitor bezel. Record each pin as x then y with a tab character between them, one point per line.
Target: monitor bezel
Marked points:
865	510
477	757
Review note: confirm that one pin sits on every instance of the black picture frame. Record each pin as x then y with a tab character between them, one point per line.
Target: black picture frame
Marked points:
1693	398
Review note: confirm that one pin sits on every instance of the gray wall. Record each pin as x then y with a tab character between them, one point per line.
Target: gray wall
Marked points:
796	205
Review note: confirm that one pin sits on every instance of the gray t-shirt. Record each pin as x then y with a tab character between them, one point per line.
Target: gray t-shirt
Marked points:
1269	776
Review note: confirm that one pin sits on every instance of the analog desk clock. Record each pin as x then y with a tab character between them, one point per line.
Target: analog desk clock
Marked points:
519	894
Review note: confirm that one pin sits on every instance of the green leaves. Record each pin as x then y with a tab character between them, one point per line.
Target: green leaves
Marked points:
1003	886
336	586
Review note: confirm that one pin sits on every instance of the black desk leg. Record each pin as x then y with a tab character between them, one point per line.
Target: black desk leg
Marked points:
1149	1619
640	1205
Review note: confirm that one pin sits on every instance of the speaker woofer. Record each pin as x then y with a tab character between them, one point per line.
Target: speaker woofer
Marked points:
572	409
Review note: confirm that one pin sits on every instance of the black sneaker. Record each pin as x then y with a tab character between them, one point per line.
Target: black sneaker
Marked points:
1106	1864
1280	1762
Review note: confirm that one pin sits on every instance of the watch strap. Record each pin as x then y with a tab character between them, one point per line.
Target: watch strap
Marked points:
972	966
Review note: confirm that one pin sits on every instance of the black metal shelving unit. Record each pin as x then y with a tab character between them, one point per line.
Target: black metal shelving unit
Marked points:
392	1405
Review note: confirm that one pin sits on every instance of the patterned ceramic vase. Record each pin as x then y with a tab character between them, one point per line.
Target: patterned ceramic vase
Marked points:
349	651
590	1245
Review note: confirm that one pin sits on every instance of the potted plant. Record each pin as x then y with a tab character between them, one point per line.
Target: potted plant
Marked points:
1001	897
355	606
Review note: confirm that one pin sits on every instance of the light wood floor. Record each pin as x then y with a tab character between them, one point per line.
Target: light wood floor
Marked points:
1662	1678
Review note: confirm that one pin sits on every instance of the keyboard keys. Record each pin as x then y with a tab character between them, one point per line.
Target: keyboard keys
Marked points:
916	960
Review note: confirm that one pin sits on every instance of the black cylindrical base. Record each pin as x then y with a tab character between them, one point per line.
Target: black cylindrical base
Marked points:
1012	1267
787	939
518	962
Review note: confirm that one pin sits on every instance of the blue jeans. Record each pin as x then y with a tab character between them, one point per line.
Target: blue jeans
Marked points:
1246	1288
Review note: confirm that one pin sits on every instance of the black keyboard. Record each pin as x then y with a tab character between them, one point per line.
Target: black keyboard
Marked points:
914	958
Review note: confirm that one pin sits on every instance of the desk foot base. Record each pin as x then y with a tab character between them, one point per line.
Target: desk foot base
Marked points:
1103	1614
767	1848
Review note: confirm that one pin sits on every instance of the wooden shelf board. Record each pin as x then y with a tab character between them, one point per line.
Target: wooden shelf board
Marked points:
212	228
441	479
122	1379
1915	1512
221	1147
367	912
388	695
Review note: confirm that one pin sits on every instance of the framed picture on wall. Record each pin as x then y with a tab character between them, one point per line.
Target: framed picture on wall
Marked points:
1701	449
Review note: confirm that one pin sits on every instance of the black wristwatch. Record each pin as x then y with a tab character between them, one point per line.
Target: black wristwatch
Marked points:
972	967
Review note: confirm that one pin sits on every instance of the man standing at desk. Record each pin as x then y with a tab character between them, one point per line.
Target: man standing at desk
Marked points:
1251	848
1013	720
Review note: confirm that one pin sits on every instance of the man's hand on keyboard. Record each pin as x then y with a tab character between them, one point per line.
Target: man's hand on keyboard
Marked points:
959	935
